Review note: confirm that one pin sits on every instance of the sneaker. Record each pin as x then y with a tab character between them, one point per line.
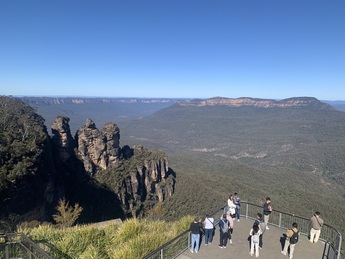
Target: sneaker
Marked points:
192	251
230	241
238	220
251	254
260	247
220	246
196	251
224	246
283	253
267	228
206	244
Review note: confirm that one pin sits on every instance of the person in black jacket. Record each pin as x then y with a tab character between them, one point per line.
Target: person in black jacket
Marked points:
267	209
195	229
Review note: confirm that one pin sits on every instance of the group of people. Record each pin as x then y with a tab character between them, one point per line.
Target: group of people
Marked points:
232	213
292	235
207	226
234	206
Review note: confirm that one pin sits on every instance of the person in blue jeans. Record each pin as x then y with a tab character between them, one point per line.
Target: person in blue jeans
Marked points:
195	229
209	228
237	202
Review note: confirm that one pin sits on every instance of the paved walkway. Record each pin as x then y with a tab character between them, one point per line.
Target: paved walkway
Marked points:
240	248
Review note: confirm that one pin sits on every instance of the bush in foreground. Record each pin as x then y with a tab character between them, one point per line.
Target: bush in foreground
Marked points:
133	239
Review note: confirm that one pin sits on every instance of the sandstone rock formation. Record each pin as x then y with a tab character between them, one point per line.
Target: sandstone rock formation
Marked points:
98	149
100	153
62	137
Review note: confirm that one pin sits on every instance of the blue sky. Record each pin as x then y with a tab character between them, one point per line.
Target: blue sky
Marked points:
173	48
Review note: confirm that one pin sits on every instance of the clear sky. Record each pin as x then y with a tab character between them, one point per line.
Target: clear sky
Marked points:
173	48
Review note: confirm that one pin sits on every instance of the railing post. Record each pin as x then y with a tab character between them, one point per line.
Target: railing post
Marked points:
280	219
162	253
31	249
7	252
247	210
339	246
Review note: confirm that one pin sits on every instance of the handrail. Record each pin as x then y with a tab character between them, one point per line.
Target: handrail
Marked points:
16	244
165	251
329	234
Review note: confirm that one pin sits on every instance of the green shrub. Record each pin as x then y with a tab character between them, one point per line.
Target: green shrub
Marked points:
133	239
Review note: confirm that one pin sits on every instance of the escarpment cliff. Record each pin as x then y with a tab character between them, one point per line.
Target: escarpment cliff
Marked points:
91	169
295	102
139	177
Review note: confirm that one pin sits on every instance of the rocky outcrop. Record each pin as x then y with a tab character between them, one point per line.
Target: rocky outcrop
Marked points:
152	181
62	138
295	102
100	153
98	149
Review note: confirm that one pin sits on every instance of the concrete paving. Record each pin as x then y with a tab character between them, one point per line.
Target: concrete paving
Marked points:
240	248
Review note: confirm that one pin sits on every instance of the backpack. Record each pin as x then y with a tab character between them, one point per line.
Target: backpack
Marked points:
294	237
255	238
225	227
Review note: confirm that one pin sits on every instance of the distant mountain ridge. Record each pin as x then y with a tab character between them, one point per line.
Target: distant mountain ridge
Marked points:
233	102
236	102
264	103
89	100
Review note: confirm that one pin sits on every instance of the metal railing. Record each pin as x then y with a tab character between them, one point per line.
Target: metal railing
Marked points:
18	245
329	234
177	245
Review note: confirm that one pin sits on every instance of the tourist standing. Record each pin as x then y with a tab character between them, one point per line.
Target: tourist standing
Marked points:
262	225
195	229
316	224
267	210
231	226
231	206
209	228
255	233
292	237
223	231
237	202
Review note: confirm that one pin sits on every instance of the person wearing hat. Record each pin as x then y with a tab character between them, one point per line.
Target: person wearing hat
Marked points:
291	239
224	226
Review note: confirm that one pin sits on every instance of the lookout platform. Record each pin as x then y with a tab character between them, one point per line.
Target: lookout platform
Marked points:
272	245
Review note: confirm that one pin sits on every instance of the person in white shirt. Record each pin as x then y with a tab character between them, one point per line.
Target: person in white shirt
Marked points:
209	229
231	206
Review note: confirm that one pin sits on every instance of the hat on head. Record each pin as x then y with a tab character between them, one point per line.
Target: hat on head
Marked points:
224	216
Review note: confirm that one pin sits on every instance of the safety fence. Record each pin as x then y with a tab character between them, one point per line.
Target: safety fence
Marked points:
18	245
329	234
177	245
